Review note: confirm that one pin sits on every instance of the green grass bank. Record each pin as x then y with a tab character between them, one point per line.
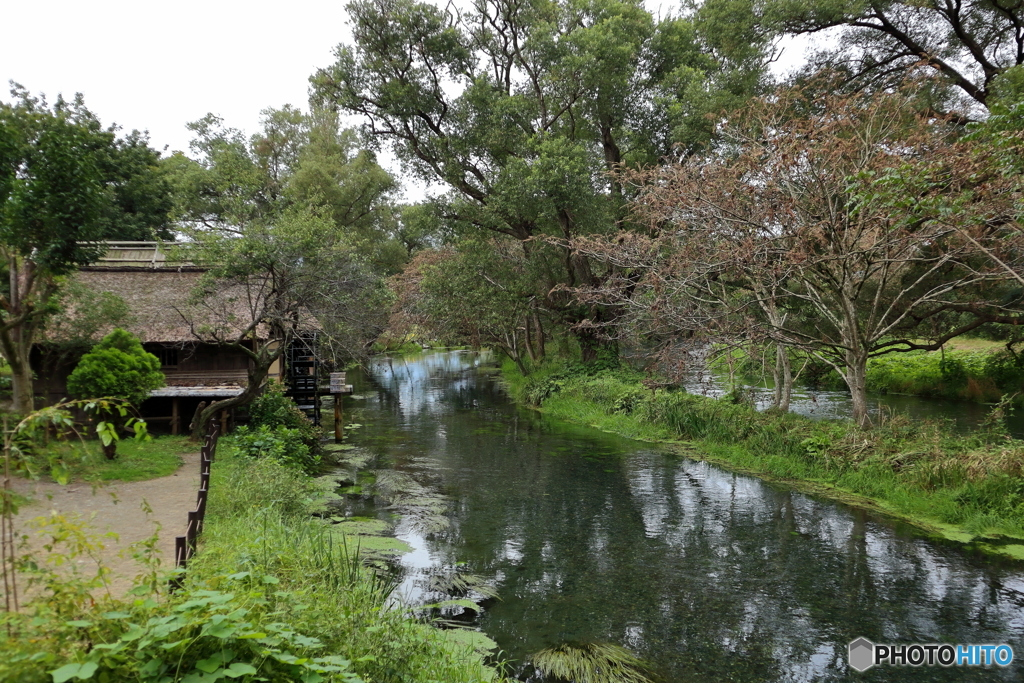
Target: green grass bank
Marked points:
969	488
971	370
274	594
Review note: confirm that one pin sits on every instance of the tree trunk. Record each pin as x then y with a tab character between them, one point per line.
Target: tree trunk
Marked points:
110	450
529	340
21	382
538	328
257	375
856	380
518	360
591	345
29	294
783	379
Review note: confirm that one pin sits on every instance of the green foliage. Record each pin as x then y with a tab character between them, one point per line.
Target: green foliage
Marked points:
266	484
524	139
273	409
199	635
279	443
982	376
65	182
272	595
117	366
276	418
51	192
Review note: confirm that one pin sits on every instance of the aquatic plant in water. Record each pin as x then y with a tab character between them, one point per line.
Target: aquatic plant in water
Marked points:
591	663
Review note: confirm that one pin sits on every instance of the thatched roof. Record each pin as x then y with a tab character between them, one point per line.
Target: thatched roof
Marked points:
159	302
160	295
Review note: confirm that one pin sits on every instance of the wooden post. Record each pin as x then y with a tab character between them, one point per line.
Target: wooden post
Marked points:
337	389
339	419
175	418
223	422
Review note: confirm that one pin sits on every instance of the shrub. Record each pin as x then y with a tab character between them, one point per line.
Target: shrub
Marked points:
117	367
273	409
279	443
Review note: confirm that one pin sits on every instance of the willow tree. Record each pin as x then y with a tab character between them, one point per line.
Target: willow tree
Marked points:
519	108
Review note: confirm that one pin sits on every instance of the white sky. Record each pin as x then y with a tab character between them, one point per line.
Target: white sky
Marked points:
157	65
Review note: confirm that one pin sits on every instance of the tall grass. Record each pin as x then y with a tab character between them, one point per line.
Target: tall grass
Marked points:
259	521
916	468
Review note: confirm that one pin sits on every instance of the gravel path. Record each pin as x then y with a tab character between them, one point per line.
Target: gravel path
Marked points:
117	507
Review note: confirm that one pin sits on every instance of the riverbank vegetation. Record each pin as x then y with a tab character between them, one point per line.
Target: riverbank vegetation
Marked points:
917	469
274	592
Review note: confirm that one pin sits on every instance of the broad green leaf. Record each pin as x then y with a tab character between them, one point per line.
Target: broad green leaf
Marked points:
209	665
240	669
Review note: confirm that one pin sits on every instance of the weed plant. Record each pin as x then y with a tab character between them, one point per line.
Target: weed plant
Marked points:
917	468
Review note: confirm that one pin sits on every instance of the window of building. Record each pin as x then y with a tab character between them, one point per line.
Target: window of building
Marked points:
168	357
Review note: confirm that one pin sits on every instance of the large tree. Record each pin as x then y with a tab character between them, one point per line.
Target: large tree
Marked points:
65	184
294	224
519	108
849	220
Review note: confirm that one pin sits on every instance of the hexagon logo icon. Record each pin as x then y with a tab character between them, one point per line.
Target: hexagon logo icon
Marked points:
862	654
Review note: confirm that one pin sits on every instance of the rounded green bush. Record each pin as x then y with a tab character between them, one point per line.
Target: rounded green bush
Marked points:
119	367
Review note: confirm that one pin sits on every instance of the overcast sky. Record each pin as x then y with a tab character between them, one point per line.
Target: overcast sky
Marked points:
157	65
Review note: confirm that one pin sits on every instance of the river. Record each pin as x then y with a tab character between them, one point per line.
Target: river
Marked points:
707	575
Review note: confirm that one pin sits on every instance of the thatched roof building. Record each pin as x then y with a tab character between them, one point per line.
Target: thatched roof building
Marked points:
172	325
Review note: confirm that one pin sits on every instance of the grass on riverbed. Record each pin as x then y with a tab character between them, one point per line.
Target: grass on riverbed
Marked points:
136	460
918	469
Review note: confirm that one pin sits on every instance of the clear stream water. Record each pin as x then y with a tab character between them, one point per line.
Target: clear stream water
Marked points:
707	575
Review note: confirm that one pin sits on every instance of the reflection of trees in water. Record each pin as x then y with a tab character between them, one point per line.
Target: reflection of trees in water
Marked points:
737	580
714	576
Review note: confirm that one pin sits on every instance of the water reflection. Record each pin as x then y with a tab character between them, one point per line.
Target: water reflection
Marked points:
708	575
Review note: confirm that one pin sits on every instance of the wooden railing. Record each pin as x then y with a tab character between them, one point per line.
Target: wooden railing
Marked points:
185	546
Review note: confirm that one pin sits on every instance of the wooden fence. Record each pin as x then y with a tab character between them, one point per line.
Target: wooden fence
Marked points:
185	546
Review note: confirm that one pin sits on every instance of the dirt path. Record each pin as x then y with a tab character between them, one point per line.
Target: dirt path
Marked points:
117	507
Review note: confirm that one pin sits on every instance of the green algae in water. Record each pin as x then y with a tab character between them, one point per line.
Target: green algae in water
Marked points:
474	639
368	534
